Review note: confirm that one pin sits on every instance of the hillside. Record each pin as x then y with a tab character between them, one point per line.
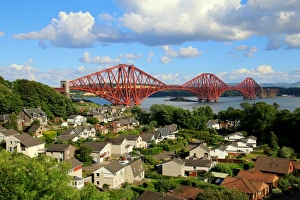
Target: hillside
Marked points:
30	94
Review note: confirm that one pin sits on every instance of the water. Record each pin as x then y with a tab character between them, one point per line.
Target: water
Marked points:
289	103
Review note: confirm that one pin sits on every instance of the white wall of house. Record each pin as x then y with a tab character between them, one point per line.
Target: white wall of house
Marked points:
218	153
172	169
233	137
103	176
33	151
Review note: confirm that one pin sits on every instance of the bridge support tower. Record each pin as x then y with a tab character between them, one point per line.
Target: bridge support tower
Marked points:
65	85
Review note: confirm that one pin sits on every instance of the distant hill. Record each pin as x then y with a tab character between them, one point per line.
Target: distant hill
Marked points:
278	84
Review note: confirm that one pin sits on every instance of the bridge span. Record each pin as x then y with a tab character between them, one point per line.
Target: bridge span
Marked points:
127	85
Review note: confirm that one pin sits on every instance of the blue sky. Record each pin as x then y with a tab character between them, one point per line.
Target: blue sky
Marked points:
173	40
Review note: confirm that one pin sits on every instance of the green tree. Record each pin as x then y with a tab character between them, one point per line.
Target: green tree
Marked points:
92	120
83	153
283	184
9	102
23	177
12	122
286	152
222	168
90	192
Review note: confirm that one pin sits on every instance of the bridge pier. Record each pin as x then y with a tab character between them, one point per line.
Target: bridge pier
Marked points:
65	85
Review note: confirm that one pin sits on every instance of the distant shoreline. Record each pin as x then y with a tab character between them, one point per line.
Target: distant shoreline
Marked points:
180	99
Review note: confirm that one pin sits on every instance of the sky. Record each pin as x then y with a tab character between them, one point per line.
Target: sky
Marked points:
173	40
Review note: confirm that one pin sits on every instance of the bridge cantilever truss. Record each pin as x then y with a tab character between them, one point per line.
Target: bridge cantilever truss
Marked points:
128	85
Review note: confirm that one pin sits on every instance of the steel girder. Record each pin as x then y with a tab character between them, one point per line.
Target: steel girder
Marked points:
207	87
121	84
128	85
249	88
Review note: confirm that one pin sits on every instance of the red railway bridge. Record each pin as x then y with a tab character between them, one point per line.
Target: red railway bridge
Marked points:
127	85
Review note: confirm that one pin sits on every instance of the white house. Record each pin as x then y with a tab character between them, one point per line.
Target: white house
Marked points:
213	124
120	146
251	141
242	146
26	144
76	120
234	136
6	133
192	165
112	174
101	150
219	152
134	140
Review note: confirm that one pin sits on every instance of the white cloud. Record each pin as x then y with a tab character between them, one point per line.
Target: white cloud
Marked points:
261	74
242	48
251	51
165	60
293	40
130	55
169	78
106	17
151	54
189	52
69	30
169	52
129	62
174	22
81	68
1	33
97	59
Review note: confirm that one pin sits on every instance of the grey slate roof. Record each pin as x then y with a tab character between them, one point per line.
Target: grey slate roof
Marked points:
34	128
66	137
28	141
2	128
172	127
137	167
221	148
34	111
9	132
114	166
164	131
130	137
198	162
58	147
74	162
116	141
175	160
147	137
96	146
232	134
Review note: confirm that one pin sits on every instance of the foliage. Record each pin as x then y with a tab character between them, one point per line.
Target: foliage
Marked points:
286	152
92	120
23	177
49	136
151	151
9	101
150	160
33	94
224	194
165	184
123	193
283	184
36	122
220	167
12	122
90	192
83	154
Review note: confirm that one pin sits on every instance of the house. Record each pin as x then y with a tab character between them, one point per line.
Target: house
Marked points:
61	151
86	131
251	141
268	178
101	150
185	192
149	195
155	137
119	146
81	131
26	144
193	167
4	133
36	130
112	174
174	167
234	136
29	115
256	190
102	129
218	152
76	120
4	118
213	124
76	172
134	171
278	166
146	139
134	140
201	151
123	124
173	128
66	138
242	146
165	133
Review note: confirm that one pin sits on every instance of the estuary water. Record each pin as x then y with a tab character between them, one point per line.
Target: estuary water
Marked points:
289	103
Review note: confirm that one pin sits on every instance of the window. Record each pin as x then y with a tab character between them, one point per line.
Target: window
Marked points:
98	182
68	152
97	174
23	148
10	142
